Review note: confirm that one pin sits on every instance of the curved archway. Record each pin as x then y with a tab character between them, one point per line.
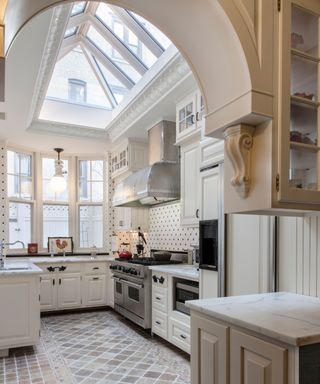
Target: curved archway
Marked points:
221	40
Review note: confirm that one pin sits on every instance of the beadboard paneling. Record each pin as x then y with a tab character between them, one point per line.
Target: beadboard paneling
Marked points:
299	255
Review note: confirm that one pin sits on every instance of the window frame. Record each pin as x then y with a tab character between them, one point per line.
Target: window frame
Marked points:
12	199
80	203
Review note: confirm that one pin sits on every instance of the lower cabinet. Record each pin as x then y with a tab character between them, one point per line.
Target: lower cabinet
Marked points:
221	354
77	286
94	291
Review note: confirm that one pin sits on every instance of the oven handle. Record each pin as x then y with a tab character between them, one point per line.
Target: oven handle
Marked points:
139	286
187	287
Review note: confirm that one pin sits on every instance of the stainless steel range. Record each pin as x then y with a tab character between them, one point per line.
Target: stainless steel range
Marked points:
132	286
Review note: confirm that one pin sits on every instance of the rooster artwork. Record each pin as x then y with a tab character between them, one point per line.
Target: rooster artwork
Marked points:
61	244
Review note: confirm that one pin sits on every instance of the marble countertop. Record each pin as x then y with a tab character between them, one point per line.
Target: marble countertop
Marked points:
179	270
61	259
287	317
21	267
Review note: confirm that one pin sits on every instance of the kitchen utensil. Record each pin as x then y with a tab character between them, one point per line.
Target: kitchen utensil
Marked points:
124	253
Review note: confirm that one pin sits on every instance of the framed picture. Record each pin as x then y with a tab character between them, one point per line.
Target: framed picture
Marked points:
60	244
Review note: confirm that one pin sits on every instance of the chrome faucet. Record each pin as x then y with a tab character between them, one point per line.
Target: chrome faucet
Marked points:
2	245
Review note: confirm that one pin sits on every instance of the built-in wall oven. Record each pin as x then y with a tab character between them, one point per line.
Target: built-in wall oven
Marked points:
185	290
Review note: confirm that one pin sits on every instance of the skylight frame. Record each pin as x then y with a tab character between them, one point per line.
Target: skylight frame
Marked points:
82	10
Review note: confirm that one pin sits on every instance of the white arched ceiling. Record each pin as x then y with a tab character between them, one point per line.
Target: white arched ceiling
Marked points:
226	43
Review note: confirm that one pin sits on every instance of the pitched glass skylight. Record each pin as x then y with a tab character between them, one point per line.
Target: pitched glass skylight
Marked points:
78	8
74	81
106	50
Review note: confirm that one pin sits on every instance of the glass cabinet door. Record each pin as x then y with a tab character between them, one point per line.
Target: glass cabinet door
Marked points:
301	80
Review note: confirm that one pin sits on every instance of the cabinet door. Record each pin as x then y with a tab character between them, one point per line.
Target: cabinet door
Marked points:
209	351
255	361
122	219
48	292
69	291
186	117
210	197
190	178
94	291
299	97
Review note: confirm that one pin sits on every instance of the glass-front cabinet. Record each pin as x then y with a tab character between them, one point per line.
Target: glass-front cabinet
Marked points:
300	108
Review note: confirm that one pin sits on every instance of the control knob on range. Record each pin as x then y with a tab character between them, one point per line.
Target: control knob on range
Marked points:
133	272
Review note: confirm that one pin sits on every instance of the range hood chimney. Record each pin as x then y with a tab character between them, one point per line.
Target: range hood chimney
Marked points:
160	181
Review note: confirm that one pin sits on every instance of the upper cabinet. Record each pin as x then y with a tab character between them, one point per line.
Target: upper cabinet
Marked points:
189	117
300	118
129	156
274	167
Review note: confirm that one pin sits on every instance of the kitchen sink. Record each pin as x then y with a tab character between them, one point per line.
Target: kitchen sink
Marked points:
16	267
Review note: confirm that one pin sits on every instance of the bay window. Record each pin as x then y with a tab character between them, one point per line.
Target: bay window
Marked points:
90	203
20	196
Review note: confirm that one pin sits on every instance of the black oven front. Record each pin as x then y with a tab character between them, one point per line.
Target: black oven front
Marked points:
185	290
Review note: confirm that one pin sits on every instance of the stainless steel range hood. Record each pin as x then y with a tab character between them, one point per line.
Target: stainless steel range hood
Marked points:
160	181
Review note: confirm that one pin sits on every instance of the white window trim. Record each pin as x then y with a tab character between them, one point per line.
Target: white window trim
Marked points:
31	201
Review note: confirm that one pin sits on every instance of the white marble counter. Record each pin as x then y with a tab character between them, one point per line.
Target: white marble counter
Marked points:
179	270
293	319
19	268
61	259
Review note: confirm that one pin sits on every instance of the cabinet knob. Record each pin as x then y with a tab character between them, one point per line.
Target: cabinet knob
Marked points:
198	116
154	278
161	280
158	322
59	281
53	281
192	119
197	213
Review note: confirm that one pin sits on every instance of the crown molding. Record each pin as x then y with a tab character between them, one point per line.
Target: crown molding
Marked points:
59	21
67	130
169	78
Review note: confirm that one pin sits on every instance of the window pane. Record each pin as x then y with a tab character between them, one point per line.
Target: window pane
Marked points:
160	37
70	31
20	223
97	191
13	162
97	170
55	221
113	54
25	165
19	168
91	228
84	170
84	191
13	186
78	8
48	171
25	188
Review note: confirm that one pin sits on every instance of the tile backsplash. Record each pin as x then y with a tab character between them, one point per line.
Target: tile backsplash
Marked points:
166	232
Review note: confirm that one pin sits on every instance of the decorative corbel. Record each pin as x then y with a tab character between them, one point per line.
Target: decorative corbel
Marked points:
238	145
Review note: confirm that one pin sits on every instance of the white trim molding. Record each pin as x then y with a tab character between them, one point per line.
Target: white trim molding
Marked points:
238	145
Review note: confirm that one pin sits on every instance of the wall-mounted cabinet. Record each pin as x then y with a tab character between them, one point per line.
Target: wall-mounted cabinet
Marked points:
189	117
129	156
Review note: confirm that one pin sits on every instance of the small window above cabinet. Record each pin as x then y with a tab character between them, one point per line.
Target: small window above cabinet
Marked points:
300	123
189	117
129	156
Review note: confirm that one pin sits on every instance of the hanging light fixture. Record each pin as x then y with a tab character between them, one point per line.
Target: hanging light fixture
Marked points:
58	183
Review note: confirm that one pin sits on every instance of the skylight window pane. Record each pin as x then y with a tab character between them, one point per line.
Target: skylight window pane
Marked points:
70	32
131	41
74	68
116	87
78	7
160	37
113	54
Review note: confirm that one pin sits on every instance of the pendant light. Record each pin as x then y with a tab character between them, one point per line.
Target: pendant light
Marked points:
58	183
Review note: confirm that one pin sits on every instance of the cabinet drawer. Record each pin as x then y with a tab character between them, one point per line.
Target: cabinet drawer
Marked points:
159	324
95	268
159	279
159	298
179	335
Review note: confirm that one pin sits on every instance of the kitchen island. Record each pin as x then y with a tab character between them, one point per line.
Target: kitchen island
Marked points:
19	305
256	339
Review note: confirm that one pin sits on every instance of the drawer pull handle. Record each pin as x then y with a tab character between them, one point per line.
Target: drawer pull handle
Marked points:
95	268
183	337
95	278
158	322
59	281
53	281
158	298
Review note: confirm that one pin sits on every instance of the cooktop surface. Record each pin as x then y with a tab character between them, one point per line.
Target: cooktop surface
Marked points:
148	261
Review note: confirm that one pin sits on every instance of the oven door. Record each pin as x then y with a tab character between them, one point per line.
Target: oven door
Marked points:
118	291
134	297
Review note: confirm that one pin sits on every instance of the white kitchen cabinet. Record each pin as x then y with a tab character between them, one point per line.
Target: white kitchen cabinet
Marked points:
190	180
79	285
94	290
211	152
48	295
69	291
128	156
210	197
179	333
20	311
127	219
